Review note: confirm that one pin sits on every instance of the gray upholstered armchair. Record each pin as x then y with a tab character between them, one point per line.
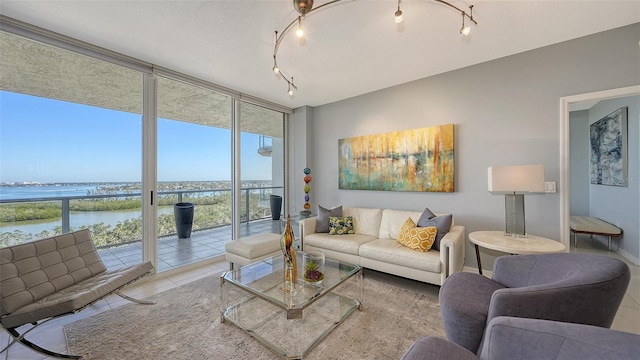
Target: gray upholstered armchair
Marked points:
575	288
531	339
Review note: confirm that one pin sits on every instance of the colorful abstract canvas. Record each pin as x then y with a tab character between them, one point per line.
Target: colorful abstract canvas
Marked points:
409	160
609	149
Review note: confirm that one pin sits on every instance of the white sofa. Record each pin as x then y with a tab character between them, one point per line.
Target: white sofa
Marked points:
374	245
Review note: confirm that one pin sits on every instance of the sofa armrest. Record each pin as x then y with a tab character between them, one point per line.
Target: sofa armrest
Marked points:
453	244
305	227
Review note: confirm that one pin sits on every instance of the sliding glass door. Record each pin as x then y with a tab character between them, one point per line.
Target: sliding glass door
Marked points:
261	169
194	172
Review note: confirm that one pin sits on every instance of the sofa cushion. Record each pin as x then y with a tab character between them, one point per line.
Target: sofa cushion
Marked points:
342	225
347	244
392	221
322	224
416	238
392	252
442	223
365	221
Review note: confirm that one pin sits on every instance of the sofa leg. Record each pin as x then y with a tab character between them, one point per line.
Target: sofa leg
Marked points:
17	337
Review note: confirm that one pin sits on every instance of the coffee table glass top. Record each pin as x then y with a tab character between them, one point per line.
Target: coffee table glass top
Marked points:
264	279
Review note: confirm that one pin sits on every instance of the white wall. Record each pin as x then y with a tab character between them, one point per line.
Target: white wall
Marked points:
505	112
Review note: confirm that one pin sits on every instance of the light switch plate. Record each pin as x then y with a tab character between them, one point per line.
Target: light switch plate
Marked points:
550	186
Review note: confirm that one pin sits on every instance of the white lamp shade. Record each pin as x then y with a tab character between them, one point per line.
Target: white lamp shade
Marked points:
519	178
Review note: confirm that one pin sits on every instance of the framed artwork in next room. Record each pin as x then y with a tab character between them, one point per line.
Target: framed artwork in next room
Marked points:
609	149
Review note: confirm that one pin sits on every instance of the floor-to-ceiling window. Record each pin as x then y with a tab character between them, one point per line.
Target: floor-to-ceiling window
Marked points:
261	163
70	146
194	168
75	133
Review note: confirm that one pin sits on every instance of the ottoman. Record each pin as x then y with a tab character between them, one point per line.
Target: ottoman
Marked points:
253	248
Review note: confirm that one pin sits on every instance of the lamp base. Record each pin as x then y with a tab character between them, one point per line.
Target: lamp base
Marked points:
514	215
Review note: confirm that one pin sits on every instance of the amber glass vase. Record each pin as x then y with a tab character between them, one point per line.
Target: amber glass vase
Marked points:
290	263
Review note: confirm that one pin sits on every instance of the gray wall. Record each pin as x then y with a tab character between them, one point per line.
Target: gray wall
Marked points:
579	162
505	112
615	204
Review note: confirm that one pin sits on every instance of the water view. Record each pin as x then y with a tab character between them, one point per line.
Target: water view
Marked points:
112	211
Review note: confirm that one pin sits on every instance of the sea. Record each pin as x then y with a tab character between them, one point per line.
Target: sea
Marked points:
47	191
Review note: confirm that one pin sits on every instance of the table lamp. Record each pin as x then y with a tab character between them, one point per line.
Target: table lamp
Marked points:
514	182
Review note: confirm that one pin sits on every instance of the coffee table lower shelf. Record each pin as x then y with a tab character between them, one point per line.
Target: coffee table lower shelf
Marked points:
290	338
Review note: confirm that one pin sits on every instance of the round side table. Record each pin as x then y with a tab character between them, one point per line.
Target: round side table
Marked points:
497	240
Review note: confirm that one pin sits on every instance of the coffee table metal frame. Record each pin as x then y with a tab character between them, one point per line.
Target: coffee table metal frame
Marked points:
304	318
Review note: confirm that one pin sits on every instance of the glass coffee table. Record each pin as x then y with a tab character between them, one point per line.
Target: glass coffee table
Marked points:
290	324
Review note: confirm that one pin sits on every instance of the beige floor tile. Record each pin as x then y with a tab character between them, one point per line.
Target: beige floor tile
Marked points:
627	319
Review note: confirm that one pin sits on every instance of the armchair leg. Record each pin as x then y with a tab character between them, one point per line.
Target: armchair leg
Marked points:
17	337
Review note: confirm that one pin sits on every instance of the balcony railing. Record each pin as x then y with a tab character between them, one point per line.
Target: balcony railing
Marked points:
167	198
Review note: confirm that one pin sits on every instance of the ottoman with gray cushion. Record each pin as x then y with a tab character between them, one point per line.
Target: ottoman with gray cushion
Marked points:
508	338
576	288
252	248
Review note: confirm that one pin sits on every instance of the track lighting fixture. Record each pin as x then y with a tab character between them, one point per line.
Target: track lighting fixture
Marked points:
398	15
465	30
305	7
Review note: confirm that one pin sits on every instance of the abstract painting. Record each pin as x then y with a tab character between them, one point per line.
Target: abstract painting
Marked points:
408	160
609	149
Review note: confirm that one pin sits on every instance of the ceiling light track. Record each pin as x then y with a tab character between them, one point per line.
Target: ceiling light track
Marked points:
305	7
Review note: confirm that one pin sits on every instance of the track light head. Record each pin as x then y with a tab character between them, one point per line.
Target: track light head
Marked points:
398	16
303	6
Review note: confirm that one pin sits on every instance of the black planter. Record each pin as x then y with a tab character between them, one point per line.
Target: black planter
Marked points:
276	205
183	213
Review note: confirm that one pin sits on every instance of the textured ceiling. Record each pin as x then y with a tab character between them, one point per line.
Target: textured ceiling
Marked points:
29	67
351	48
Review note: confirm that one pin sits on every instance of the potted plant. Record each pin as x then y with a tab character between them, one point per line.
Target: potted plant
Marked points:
313	267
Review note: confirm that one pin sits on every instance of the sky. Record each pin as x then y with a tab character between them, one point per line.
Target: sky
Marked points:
44	140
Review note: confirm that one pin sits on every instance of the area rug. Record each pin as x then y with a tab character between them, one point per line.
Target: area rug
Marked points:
185	324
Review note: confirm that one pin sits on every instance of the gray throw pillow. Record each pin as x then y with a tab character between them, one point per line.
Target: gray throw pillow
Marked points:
426	215
322	224
442	223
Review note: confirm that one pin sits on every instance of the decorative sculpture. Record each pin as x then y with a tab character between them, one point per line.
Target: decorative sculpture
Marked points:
307	179
290	261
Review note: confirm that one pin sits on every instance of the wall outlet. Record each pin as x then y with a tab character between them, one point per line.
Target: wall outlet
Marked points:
550	186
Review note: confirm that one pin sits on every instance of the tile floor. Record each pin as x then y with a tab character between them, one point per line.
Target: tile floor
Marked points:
51	335
174	253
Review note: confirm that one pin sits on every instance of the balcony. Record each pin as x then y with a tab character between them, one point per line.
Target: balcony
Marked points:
174	252
122	245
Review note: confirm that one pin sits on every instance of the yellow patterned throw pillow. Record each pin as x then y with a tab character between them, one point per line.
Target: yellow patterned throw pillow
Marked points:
417	238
